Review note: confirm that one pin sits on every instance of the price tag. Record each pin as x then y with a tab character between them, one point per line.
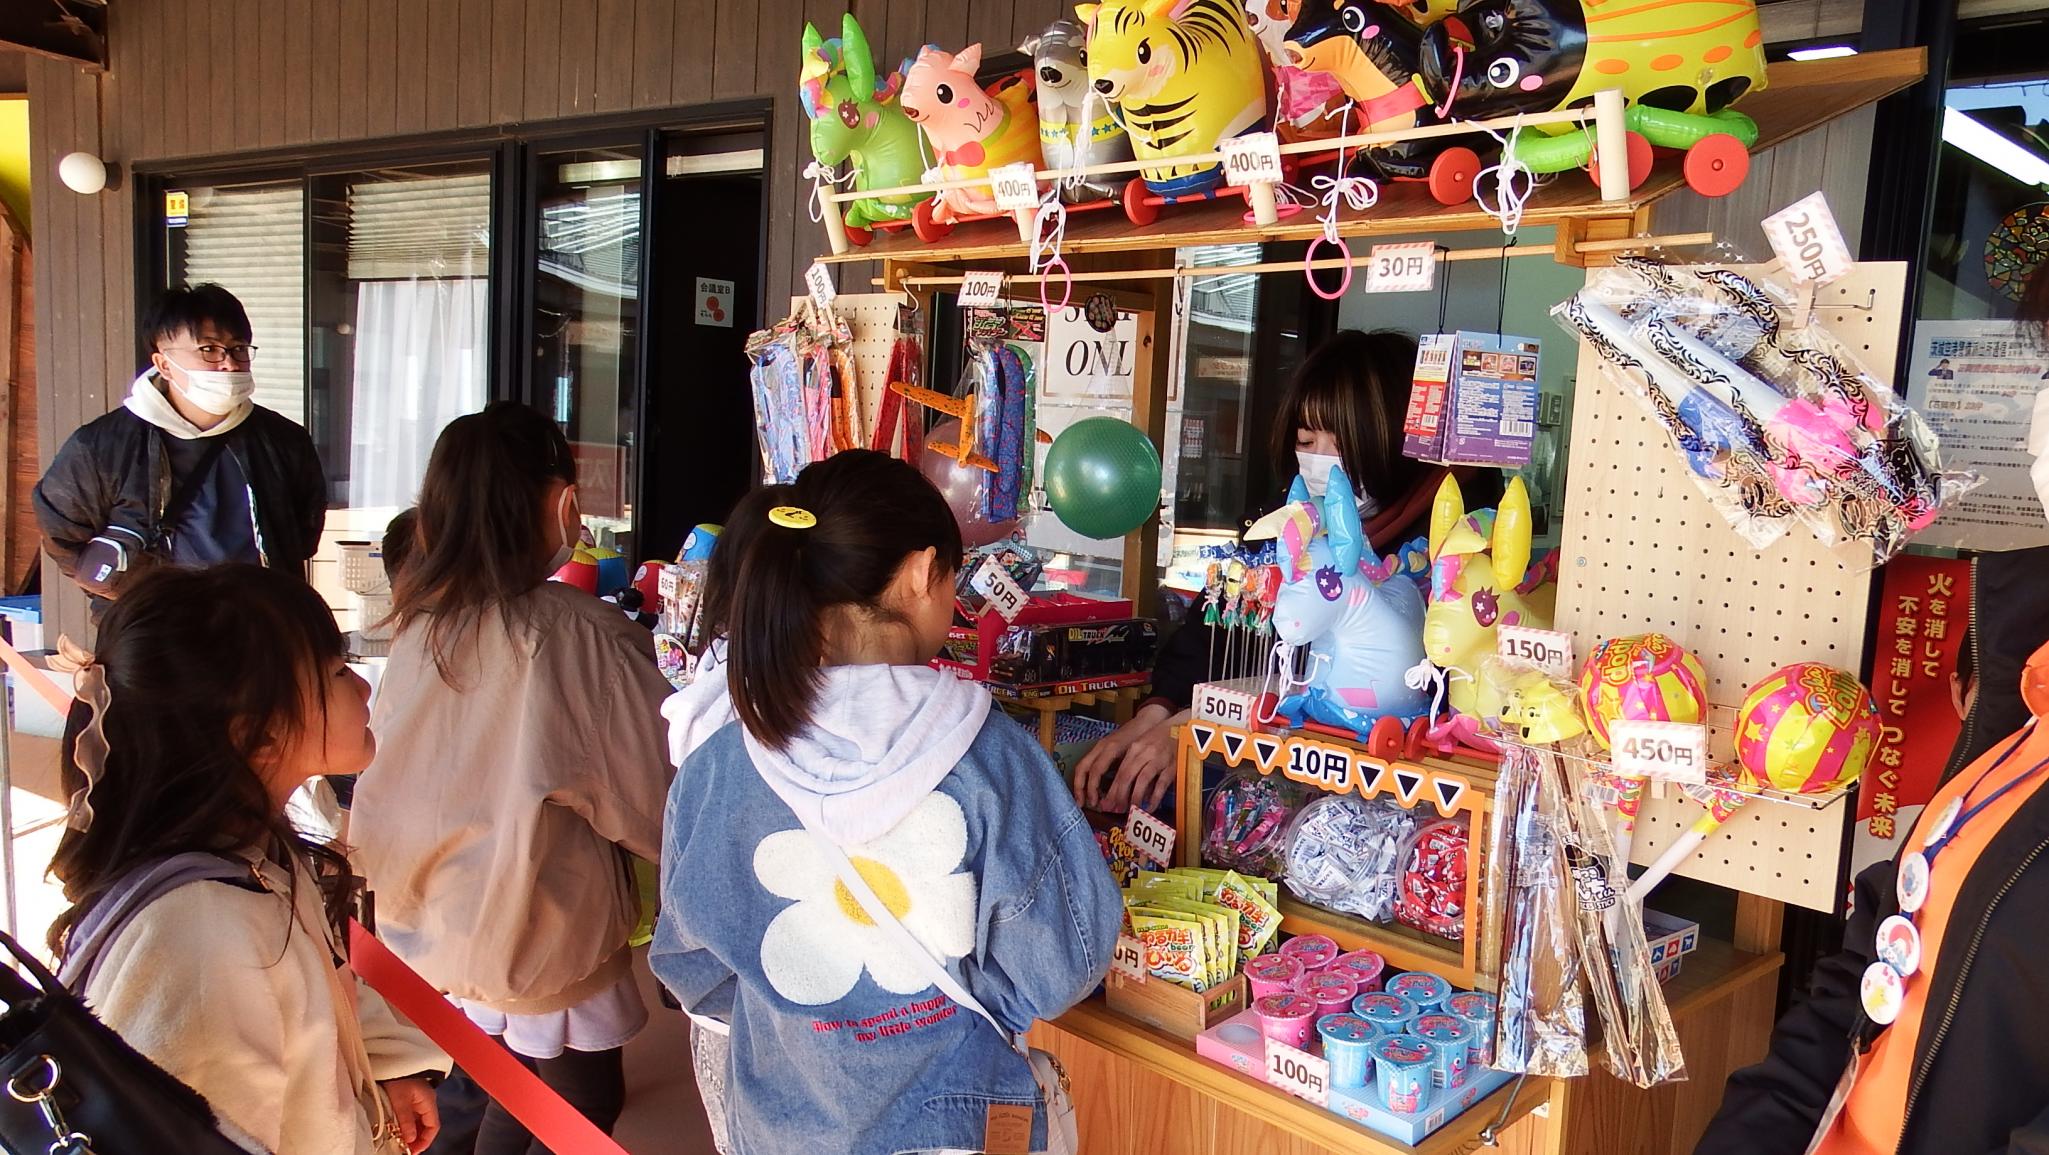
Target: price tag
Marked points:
1150	836
1128	958
666	583
818	279
1299	1073
1254	158
980	290
1548	650
1015	187
1661	751
1409	267
1807	239
994	582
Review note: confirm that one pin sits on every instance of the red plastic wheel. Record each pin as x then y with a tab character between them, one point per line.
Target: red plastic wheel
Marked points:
859	237
1139	207
1386	739
929	230
1452	175
1716	165
1640	158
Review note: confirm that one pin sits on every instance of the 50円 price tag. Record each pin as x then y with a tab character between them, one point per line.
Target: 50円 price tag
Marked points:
1150	836
1550	651
1409	267
1662	751
818	280
994	582
1299	1073
1016	187
980	290
1806	237
1128	958
1254	158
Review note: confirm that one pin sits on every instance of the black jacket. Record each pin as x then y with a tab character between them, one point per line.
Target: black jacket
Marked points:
1979	1086
114	472
2009	622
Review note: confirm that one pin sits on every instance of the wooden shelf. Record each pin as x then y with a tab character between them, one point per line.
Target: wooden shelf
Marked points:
1802	96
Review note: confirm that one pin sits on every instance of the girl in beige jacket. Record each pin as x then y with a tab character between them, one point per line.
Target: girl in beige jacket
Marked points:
521	762
215	694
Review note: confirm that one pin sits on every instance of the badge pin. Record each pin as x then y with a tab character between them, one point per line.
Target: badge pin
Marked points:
1899	945
1943	821
1913	882
1882	993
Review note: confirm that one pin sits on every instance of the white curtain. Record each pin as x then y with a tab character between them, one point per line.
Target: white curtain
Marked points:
420	360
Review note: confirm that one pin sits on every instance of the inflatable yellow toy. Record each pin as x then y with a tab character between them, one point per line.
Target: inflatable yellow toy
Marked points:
1480	580
1183	75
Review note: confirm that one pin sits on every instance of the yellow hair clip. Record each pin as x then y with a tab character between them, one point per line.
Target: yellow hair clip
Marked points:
792	517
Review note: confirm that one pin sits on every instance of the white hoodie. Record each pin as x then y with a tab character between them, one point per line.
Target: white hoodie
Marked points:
146	400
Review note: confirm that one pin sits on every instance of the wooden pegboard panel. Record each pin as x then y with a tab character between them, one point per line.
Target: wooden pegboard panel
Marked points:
872	316
1644	550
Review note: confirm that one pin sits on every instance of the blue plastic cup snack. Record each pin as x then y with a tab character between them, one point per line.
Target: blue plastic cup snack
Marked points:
1426	990
1476	1010
1402	1065
1348	1044
1389	1013
1454	1043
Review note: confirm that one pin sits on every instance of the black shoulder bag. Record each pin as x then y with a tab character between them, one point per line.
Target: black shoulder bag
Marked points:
120	554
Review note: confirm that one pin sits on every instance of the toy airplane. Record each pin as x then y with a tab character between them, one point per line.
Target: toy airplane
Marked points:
962	408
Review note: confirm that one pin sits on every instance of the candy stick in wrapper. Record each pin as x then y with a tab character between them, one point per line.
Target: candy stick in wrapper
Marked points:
1722	805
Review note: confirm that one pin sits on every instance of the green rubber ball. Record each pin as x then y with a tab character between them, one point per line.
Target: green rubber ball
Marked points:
1103	477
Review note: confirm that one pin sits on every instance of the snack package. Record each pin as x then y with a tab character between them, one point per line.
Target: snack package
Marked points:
1777	423
1122	857
1169	885
1248	823
1220	933
1259	920
1344	854
1433	884
1173	947
1540	1027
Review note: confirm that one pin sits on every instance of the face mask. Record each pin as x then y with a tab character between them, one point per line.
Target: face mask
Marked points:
217	391
568	523
1315	469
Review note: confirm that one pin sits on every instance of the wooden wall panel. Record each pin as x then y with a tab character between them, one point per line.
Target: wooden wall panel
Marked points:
409	83
694	45
654	29
239	52
476	39
618	34
299	57
269	70
508	58
352	84
542	77
445	51
577	49
380	79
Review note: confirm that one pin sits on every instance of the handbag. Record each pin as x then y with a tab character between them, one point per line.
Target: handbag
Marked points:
1062	1131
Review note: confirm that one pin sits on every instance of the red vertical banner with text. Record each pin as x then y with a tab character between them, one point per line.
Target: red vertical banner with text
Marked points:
1924	615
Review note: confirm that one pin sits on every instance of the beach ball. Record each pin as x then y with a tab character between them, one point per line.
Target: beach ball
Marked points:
613	574
698	545
1102	477
1646	677
648	580
1806	729
581	571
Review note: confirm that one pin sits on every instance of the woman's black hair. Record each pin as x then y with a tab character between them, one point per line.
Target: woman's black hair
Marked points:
1355	386
401	536
204	669
872	511
479	542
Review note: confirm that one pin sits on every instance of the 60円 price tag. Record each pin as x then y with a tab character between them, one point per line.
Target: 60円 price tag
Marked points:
1664	751
1409	267
1128	958
1016	187
994	582
1254	158
1550	651
818	280
1807	239
1298	1072
980	290
1150	836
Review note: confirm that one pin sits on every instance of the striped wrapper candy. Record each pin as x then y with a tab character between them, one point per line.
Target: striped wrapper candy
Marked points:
1646	677
1806	729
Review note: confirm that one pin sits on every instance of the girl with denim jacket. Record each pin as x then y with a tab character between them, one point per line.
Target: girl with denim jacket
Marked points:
950	814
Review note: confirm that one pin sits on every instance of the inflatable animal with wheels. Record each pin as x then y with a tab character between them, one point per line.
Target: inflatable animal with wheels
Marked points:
854	116
1301	97
1077	127
1680	65
1480	580
1183	75
1362	621
971	130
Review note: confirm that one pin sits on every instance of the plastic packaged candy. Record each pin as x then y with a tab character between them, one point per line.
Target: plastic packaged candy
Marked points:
1248	823
1405	1068
1391	1013
1807	729
1646	677
1364	966
1453	1041
1476	1010
1272	974
1286	1018
1333	992
1313	951
1422	988
1776	423
1348	1045
1433	880
1344	853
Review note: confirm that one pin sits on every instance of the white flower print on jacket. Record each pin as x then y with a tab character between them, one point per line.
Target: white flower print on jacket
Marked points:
814	950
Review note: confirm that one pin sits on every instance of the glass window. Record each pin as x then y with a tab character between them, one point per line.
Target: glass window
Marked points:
587	325
251	239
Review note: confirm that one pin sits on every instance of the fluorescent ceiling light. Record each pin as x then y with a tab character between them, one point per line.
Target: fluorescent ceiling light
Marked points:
1824	52
746	160
1974	137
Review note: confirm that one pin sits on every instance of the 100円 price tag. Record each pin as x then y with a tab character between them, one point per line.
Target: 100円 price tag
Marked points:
1015	186
1661	751
1298	1072
1409	267
1150	836
1254	158
818	280
980	289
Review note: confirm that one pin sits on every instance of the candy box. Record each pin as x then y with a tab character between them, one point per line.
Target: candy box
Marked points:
1668	935
1491	416
1427	420
1173	1008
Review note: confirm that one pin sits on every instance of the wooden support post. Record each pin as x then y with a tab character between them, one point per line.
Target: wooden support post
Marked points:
1611	144
835	226
1265	210
1759	922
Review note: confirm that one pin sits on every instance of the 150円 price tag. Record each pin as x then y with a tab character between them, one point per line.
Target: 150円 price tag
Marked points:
1660	751
1550	651
1150	836
1298	1072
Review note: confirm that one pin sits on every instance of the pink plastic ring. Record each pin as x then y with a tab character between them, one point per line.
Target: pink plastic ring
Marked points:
1309	269
1066	284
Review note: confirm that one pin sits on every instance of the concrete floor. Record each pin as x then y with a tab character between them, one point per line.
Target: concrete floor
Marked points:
663	1115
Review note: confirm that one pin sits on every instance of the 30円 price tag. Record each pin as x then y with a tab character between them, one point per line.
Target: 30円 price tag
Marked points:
1549	651
994	582
1298	1072
1409	267
1660	751
1150	836
1807	239
1254	158
1016	186
818	279
980	290
1128	958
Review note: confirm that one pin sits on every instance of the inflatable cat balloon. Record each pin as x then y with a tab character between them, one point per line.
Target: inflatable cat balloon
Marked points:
1480	580
1362	621
1077	127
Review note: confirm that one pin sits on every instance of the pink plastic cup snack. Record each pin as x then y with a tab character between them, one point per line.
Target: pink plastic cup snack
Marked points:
1402	1066
1272	974
1364	966
1426	990
1332	991
1288	1018
1313	951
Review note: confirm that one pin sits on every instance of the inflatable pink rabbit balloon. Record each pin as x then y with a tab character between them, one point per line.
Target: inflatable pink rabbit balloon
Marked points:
971	131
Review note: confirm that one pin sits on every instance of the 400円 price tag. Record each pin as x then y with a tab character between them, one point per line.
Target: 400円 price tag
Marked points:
1016	186
1254	158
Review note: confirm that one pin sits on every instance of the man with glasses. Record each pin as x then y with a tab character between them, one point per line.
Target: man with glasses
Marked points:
189	471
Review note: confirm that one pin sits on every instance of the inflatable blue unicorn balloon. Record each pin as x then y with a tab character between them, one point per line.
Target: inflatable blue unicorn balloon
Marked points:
1362	620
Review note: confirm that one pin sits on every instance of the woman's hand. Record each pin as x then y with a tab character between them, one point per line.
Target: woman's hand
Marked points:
1142	754
419	1115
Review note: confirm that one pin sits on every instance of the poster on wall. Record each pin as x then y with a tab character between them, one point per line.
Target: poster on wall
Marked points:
1088	370
1975	383
1924	612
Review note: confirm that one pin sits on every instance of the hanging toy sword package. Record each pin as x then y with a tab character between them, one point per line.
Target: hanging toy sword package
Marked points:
1776	420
